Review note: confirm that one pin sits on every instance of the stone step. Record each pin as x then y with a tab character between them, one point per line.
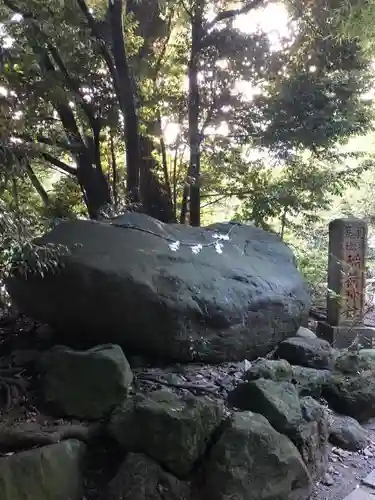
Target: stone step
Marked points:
369	480
365	491
360	494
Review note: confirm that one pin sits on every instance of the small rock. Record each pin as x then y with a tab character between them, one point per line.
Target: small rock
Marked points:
327	480
347	433
311	437
309	352
368	453
44	333
309	381
85	384
353	362
277	401
368	354
352	395
277	370
305	333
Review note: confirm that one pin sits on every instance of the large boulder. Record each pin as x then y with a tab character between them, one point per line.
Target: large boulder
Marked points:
252	461
173	430
127	282
85	384
51	472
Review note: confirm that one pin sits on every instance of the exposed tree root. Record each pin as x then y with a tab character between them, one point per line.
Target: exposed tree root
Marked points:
13	439
190	387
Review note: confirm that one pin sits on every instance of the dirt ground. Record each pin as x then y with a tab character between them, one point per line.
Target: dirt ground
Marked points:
346	470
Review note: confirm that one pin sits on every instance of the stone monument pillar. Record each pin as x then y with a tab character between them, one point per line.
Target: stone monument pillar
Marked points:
346	285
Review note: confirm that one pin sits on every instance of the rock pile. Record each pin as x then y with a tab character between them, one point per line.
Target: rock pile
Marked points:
186	434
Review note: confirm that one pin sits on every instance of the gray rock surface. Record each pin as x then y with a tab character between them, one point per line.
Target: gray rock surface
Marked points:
277	401
49	473
120	282
304	421
277	370
252	461
352	395
85	384
305	333
172	430
309	381
353	362
347	433
140	478
308	352
311	437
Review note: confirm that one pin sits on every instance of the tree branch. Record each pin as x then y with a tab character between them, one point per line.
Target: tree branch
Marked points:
186	9
160	58
229	14
60	164
66	146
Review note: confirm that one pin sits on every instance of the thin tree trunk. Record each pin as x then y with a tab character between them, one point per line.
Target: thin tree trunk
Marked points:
126	99
174	180
163	152
283	223
194	136
114	171
184	204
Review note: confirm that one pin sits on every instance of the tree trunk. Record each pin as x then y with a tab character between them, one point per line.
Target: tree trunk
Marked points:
194	135
156	200
94	186
114	172
163	152
174	185
126	99
184	204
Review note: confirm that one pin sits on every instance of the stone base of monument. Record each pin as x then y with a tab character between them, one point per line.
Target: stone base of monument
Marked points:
342	337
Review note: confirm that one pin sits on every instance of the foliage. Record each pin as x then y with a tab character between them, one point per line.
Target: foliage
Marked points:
355	21
292	109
